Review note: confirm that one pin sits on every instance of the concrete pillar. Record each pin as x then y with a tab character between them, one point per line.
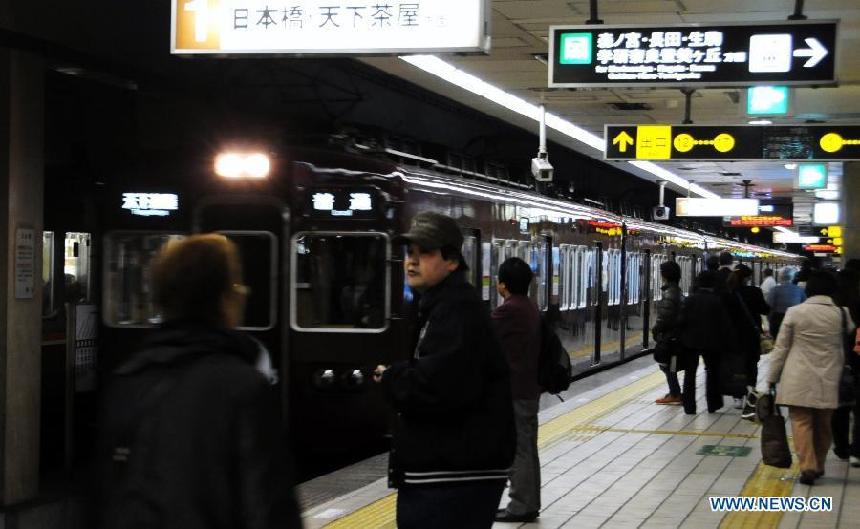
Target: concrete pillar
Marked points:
22	101
851	211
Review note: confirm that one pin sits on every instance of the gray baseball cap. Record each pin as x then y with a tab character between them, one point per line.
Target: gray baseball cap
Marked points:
430	231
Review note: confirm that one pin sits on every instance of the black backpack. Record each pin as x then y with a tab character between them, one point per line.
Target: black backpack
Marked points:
554	369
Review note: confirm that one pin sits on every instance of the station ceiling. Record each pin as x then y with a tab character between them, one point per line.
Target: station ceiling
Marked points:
519	38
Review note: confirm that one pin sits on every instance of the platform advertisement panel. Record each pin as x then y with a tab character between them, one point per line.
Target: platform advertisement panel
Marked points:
359	27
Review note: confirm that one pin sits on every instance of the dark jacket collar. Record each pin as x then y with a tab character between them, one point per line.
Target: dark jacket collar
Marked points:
429	298
178	341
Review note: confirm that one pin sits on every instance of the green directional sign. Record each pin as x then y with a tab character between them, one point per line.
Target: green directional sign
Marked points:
724	450
732	142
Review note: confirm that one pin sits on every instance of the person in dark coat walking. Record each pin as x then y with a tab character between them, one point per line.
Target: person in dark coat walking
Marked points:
517	322
190	432
454	436
753	307
665	333
705	330
845	445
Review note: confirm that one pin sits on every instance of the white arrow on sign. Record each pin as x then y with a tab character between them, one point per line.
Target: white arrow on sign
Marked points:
816	51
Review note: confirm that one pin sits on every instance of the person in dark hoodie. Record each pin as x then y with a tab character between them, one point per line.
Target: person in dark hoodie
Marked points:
454	436
190	438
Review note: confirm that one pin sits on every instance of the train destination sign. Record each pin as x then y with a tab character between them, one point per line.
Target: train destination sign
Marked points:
730	54
732	142
328	26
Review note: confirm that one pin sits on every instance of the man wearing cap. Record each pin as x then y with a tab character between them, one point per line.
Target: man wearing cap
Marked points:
454	437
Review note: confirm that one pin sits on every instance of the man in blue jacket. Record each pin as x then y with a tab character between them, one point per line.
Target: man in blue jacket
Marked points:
454	436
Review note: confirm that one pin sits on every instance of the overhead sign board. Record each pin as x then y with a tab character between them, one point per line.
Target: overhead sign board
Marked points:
715	207
328	27
729	54
794	238
150	204
749	221
820	248
811	176
732	142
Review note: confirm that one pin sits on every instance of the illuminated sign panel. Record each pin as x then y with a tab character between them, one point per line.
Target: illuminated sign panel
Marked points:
729	54
825	213
821	248
715	207
758	221
811	176
342	203
328	26
732	142
767	100
794	238
150	204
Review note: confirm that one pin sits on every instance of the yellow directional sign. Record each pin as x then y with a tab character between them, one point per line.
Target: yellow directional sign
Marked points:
623	140
834	231
654	142
685	142
833	142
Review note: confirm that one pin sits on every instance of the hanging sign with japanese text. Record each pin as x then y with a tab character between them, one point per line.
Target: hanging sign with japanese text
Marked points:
329	26
730	54
732	142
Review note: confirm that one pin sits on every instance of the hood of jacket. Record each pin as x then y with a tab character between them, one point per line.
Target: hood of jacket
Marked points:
176	342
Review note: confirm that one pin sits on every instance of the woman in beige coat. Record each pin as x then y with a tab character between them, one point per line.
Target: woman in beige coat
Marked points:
807	362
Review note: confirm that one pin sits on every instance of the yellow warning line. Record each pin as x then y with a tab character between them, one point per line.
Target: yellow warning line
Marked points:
586	351
382	514
697	433
765	481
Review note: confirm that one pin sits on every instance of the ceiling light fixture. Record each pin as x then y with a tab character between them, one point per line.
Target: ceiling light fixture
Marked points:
450	73
760	122
790	166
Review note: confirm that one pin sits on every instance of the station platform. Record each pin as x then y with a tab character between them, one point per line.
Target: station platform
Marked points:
612	458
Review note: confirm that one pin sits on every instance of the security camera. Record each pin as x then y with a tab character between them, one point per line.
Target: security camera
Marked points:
660	213
541	168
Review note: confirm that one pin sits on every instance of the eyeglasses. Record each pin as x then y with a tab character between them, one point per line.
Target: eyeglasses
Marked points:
242	289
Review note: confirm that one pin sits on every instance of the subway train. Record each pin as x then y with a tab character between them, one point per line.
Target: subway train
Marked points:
327	294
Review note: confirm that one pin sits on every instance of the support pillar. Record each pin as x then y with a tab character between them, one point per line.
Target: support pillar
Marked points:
851	211
22	101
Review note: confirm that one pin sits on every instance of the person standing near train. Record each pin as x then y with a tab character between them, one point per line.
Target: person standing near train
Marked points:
190	430
454	436
517	323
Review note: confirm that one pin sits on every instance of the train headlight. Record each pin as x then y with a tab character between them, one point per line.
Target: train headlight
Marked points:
355	377
324	378
235	165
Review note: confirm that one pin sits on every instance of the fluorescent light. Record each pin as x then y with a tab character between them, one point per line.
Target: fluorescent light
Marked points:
794	238
790	166
827	194
707	207
450	73
760	122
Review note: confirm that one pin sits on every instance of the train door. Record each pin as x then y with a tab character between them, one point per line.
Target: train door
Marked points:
258	226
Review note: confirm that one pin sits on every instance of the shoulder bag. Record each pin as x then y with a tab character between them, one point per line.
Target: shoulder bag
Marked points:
774	442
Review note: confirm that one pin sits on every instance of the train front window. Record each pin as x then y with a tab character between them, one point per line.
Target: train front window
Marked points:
127	287
340	282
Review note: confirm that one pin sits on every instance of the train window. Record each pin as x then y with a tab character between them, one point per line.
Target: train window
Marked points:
656	279
614	269
633	278
340	282
76	266
127	293
538	262
470	255
486	270
562	271
499	249
47	274
258	251
556	273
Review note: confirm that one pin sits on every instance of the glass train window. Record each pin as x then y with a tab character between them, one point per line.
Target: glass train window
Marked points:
76	266
470	255
563	273
258	251
486	270
656	279
556	272
340	282
499	249
47	273
633	278
127	291
614	257
591	276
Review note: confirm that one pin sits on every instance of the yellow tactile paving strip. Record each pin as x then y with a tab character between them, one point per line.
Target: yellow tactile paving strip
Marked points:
578	423
584	352
765	481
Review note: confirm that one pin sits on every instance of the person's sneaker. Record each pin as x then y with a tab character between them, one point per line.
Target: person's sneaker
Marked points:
855	461
672	400
502	515
739	403
748	413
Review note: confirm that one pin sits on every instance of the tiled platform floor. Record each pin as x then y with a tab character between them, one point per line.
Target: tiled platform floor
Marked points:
612	458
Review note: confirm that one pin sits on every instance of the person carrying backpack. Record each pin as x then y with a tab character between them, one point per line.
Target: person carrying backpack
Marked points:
189	431
518	326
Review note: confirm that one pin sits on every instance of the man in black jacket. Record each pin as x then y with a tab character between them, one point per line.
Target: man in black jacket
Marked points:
454	437
190	437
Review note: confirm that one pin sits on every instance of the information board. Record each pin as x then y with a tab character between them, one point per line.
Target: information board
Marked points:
25	263
227	27
728	54
732	142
